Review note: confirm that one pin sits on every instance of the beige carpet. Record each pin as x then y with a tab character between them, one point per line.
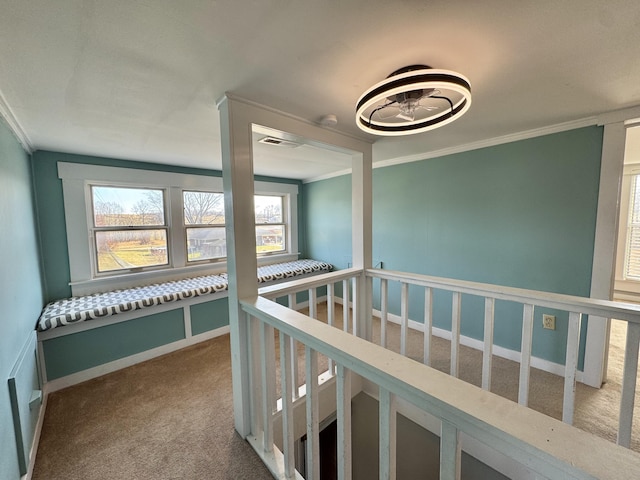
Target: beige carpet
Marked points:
172	417
168	418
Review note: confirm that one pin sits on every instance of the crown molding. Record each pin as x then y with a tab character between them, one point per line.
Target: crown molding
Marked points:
513	137
14	125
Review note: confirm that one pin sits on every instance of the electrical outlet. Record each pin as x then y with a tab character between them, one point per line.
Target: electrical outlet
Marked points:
549	321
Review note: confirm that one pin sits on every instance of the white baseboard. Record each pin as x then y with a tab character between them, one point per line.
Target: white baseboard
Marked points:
536	362
90	373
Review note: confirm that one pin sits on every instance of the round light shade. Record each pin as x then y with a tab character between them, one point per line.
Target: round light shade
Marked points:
413	99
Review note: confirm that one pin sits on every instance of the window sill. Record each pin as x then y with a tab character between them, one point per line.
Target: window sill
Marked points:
116	282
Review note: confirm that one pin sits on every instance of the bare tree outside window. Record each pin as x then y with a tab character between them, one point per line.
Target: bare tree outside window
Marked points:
203	208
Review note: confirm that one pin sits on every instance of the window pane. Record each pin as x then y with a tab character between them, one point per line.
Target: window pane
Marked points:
206	243
203	208
268	209
270	238
126	249
632	266
117	206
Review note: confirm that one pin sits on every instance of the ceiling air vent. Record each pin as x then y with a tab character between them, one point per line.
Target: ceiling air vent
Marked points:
279	142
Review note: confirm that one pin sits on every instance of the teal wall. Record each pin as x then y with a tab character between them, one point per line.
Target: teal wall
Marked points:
74	353
21	291
520	214
51	209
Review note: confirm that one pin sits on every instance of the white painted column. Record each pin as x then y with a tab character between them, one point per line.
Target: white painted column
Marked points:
604	252
237	177
343	414
361	236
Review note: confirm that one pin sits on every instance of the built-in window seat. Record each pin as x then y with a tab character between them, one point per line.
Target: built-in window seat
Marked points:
85	337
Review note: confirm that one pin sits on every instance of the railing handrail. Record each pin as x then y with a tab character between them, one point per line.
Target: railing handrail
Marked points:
294	286
570	303
539	442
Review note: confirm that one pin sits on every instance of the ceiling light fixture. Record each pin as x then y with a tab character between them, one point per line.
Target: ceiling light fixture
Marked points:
413	99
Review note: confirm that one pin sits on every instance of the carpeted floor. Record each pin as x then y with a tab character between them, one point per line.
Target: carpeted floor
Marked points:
172	417
168	418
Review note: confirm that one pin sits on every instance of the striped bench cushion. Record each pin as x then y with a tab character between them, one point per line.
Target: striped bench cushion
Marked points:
77	309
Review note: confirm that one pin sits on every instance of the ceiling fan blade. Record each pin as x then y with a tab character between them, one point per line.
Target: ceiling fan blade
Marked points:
387	112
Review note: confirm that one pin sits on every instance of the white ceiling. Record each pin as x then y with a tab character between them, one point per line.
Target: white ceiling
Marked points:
138	79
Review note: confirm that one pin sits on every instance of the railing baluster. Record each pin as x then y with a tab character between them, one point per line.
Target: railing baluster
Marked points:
293	360
450	452
291	298
404	317
331	317
487	352
313	303
287	406
428	324
255	379
267	354
343	414
313	439
571	365
455	332
525	350
355	317
345	305
629	384
387	419
384	311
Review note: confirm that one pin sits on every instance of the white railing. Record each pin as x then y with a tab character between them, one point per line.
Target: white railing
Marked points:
544	445
599	310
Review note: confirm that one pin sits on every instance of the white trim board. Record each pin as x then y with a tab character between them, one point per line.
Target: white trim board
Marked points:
536	362
100	370
513	137
6	112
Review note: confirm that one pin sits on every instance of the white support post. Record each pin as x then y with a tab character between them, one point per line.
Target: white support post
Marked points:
487	352
604	249
343	414
387	418
361	237
450	452
384	311
313	428
455	333
345	305
287	407
525	351
571	366
268	372
629	380
237	179
404	317
428	324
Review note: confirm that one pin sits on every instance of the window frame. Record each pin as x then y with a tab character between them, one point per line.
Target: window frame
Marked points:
623	285
76	181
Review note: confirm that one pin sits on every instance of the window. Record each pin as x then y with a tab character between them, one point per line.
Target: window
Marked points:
204	225
270	225
632	251
128	227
